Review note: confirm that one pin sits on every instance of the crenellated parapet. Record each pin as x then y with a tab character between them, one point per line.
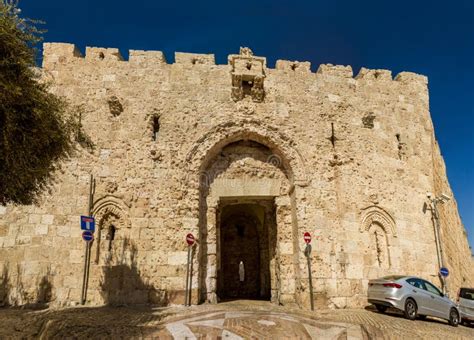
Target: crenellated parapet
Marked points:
106	54
367	74
59	53
146	58
64	53
293	66
194	58
339	71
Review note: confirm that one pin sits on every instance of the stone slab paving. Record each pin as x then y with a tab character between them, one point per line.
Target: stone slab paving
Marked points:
233	320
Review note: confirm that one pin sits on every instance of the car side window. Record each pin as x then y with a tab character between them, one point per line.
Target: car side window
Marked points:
432	289
416	283
467	294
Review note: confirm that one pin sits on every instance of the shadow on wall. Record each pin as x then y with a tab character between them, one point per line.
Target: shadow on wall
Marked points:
122	283
44	292
15	294
4	286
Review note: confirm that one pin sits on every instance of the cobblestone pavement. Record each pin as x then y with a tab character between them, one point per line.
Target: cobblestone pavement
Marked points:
232	320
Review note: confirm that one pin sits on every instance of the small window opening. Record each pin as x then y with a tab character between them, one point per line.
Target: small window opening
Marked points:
194	61
401	147
247	87
249	66
156	127
101	55
293	67
111	235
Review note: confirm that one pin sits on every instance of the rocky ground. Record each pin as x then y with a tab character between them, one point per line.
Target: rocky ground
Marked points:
232	320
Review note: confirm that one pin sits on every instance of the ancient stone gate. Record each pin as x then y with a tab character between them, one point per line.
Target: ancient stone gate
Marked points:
246	157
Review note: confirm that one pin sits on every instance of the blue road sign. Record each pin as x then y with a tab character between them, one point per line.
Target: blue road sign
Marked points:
88	223
444	271
87	236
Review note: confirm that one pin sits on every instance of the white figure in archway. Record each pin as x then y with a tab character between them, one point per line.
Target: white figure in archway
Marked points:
241	271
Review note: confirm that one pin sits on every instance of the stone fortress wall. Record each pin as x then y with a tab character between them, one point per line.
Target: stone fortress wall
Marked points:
182	147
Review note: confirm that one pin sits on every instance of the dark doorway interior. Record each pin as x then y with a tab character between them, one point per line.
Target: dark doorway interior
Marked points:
244	238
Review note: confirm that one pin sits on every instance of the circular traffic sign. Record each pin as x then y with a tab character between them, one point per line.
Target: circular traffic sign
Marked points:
444	271
307	237
190	239
87	236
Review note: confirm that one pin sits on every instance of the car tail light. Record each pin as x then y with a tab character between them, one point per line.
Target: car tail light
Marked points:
392	285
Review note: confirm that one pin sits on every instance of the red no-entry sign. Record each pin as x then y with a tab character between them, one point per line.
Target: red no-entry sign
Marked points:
307	237
190	239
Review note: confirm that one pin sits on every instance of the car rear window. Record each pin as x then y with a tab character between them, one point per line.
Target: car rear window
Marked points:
467	293
393	277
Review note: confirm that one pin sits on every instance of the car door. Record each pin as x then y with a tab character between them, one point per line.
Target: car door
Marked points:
438	304
418	292
466	302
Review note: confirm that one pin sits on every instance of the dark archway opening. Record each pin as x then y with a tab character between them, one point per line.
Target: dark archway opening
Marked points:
244	266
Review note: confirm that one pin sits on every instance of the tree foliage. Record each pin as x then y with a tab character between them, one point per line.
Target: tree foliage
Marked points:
34	128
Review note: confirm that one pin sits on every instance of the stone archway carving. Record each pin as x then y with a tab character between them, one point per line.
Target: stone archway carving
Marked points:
110	204
220	135
375	214
108	208
380	226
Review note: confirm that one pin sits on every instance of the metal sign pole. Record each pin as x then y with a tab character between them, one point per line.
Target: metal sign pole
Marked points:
89	247
186	303
190	292
83	300
310	276
85	277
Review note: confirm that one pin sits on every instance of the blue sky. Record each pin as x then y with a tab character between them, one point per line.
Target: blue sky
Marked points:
435	38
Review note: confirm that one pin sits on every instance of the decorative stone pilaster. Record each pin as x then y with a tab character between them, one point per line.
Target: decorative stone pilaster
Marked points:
212	260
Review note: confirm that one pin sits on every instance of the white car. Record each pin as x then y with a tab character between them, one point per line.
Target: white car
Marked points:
466	304
412	295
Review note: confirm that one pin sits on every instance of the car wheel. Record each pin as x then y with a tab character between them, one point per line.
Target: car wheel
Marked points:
453	317
410	309
381	308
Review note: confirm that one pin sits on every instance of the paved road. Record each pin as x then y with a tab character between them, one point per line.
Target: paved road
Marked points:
233	320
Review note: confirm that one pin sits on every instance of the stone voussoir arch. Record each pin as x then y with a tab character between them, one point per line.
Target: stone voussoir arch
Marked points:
375	214
219	136
110	204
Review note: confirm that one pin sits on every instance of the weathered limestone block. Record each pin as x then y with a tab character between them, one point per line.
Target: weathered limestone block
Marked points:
97	54
380	75
194	58
59	53
47	219
336	71
146	58
177	258
296	66
410	77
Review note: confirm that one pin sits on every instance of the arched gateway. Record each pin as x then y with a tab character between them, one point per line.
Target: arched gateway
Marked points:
243	175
